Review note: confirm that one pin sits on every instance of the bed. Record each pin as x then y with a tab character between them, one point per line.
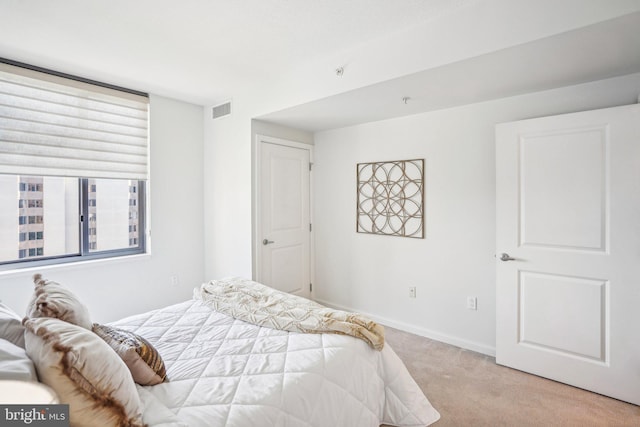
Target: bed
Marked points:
222	371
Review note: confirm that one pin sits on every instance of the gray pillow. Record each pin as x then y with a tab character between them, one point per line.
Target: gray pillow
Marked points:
15	364
11	328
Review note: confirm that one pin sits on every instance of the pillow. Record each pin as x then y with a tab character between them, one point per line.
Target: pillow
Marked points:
51	299
18	392
142	359
14	363
11	328
85	373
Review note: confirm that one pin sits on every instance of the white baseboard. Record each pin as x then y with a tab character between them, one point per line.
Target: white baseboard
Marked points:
427	333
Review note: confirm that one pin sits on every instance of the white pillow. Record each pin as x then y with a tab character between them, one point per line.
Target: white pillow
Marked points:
84	372
11	328
14	363
51	299
15	392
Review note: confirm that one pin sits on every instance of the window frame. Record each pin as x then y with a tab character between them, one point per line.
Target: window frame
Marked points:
85	252
84	223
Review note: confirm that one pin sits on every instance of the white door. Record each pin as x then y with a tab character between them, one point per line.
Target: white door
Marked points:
568	213
283	231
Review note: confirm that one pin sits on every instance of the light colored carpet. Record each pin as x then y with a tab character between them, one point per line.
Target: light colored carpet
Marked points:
470	389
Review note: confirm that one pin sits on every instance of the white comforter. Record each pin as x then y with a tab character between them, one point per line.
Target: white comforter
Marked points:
225	372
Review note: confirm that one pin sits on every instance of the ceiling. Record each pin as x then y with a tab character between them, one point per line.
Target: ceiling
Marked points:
208	51
218	45
607	49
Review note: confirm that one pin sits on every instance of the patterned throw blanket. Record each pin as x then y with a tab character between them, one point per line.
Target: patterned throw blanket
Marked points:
264	306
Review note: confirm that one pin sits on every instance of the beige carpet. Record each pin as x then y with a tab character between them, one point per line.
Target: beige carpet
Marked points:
469	389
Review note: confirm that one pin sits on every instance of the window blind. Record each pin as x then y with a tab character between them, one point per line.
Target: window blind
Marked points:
54	126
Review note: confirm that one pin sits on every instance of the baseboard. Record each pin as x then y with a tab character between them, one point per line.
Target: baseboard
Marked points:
427	333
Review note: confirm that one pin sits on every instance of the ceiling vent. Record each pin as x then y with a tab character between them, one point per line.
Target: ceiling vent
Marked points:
222	110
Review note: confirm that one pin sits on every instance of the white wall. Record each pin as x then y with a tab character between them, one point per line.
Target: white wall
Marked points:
372	274
113	289
227	195
260	127
478	28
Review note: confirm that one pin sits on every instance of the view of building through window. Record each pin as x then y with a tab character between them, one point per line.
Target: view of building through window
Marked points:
113	214
40	216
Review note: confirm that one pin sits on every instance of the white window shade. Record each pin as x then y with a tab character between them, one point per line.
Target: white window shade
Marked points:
53	126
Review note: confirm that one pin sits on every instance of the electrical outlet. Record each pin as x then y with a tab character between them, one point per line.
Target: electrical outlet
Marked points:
472	303
412	292
175	281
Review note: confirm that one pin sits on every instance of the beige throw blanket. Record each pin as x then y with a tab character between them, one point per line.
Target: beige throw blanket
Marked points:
264	306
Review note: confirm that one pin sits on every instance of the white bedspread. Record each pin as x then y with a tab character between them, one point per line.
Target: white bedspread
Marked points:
225	372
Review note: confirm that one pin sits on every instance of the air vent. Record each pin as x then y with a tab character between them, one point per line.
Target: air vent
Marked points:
222	110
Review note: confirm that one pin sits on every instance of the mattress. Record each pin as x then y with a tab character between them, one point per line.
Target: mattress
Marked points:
225	372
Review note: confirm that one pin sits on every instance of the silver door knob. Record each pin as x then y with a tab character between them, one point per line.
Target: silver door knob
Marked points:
506	257
267	242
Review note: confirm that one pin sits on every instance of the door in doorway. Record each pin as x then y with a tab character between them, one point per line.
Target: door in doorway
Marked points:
568	249
283	216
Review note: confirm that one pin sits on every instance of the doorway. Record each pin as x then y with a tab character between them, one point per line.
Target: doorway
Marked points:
283	231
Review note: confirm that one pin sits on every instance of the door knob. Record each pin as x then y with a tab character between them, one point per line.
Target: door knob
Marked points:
506	257
267	242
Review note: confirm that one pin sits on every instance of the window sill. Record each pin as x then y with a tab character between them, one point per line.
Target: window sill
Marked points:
73	265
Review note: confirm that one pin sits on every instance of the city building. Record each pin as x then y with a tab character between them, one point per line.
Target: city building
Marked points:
41	216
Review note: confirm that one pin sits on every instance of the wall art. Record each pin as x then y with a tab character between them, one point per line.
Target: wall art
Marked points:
390	198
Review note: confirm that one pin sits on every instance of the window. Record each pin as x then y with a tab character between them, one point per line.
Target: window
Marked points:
35	219
114	216
82	147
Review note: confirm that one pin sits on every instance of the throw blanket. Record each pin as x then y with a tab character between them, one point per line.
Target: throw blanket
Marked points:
264	306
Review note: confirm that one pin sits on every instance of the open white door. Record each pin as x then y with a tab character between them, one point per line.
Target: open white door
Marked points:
568	232
283	223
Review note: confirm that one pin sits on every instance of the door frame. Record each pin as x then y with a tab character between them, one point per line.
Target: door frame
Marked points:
256	211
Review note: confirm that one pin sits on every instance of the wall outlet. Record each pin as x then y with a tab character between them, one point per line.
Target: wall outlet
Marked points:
175	281
412	292
472	303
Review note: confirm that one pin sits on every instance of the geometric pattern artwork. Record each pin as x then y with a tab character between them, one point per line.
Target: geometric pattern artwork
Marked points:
390	198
